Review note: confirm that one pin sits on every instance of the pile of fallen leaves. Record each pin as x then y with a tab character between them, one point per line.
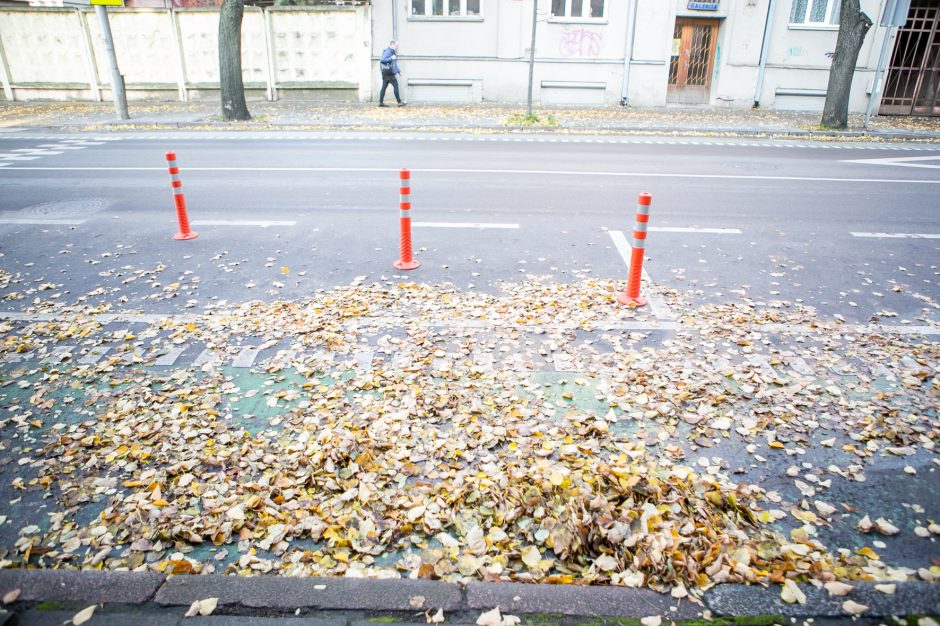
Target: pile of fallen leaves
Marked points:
437	463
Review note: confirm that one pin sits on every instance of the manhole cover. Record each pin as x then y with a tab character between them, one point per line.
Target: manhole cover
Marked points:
65	208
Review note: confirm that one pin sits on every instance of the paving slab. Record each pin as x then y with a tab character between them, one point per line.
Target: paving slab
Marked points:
518	598
913	598
80	586
323	593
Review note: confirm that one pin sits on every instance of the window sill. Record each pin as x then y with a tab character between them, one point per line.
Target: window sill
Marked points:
445	18
577	20
813	27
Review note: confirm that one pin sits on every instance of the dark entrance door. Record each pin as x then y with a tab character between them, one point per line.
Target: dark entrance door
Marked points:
693	57
912	83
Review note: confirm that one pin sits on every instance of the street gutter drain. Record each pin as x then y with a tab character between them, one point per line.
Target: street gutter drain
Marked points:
65	208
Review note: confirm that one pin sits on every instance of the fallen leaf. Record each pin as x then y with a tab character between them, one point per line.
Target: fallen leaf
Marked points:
10	596
791	593
490	618
84	615
202	607
835	588
853	608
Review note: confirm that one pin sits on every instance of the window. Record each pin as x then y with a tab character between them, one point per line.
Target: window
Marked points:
578	9
445	8
815	12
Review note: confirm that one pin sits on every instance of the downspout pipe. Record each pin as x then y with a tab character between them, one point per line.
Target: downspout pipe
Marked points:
395	20
764	50
628	53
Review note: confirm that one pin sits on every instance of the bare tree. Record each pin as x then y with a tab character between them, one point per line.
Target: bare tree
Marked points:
230	61
853	26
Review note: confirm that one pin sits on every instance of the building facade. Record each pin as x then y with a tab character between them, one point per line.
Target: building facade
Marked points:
733	53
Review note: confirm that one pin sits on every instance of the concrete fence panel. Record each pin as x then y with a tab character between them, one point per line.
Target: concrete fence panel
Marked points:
43	48
57	53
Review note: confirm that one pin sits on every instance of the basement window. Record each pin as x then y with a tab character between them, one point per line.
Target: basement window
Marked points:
442	9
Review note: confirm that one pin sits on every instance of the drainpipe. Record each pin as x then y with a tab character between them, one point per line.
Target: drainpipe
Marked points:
764	49
395	20
628	52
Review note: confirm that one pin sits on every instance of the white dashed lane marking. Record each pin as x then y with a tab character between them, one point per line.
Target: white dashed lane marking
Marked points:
48	149
77	143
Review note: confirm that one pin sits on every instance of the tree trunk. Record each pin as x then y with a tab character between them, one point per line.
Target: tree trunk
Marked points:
230	61
853	26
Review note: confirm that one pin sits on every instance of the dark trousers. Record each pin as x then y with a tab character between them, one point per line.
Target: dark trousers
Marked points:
389	79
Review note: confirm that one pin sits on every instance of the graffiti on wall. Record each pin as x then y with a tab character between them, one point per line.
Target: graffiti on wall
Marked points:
581	43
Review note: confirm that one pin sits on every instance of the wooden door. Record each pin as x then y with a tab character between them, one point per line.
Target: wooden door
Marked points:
692	62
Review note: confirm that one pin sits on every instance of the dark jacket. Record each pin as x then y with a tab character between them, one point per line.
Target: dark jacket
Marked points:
389	60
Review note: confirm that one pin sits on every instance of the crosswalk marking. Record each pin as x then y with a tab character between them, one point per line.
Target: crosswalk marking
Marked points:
94	355
246	357
171	355
800	366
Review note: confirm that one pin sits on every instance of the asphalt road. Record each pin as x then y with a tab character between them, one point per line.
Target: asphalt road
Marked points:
92	221
794	206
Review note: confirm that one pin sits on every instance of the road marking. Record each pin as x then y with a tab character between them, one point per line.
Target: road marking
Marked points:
207	356
40	221
94	355
800	366
658	306
463	225
709	231
859	329
902	162
171	355
17	157
59	354
898	235
246	357
577	173
261	223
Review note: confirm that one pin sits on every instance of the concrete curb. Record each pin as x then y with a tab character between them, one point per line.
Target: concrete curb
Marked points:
518	598
914	598
266	594
80	586
281	593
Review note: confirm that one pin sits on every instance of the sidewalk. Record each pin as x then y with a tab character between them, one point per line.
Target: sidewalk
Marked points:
81	116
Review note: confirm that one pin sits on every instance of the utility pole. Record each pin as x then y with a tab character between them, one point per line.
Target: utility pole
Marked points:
535	16
117	81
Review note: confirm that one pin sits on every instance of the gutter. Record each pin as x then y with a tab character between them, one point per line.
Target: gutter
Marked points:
628	52
764	50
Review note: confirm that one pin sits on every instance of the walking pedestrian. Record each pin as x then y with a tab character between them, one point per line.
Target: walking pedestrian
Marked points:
390	73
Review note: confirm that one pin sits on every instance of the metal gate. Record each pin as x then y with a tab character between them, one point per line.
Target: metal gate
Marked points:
693	56
912	85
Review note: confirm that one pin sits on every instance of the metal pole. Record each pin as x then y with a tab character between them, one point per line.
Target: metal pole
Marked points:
876	86
535	16
628	53
117	81
764	50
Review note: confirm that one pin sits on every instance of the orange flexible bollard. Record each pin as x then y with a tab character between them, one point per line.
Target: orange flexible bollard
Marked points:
632	295
406	260
179	199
